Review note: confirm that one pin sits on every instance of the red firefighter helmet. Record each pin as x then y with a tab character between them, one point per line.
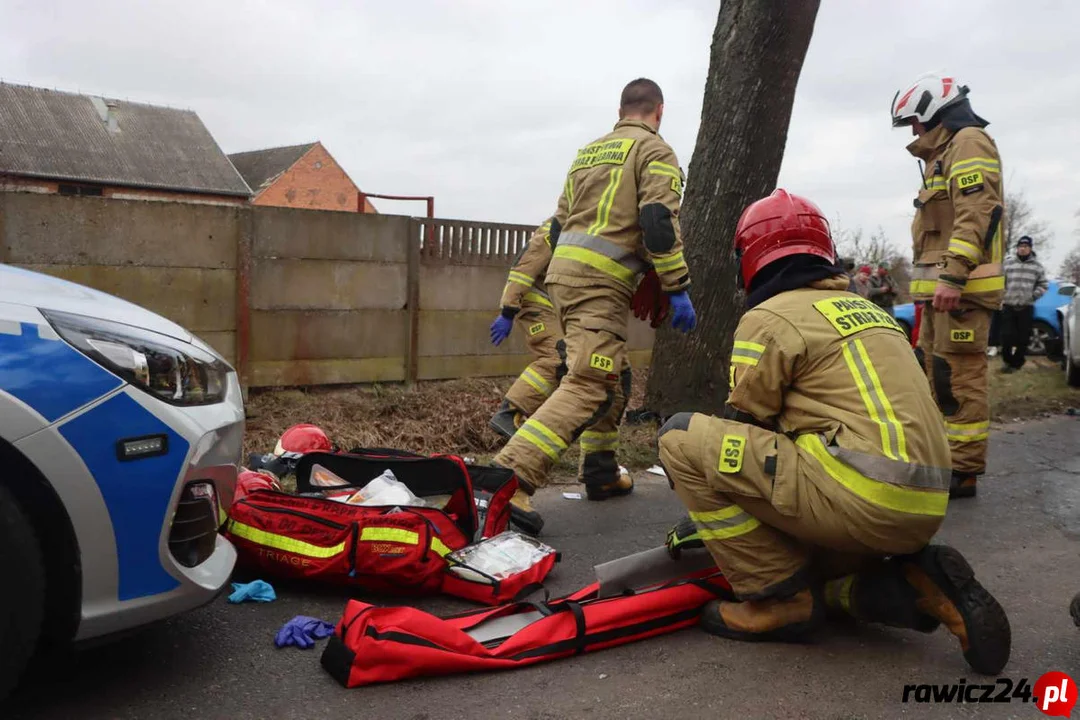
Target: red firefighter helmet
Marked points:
776	227
303	438
249	481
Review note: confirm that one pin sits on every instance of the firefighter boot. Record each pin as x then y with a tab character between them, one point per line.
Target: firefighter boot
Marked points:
523	515
506	420
962	485
598	467
795	618
880	595
948	591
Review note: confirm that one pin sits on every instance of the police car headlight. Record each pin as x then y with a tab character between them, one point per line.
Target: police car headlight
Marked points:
171	370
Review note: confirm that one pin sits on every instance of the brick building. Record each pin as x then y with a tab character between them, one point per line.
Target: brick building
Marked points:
72	144
299	176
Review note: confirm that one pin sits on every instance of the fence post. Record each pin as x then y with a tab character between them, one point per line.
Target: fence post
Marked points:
244	243
412	353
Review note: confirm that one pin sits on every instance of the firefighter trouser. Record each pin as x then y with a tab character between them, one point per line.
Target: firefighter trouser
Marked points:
952	348
772	511
543	337
589	401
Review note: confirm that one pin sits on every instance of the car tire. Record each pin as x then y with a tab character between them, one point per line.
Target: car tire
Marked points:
1043	339
22	592
1072	370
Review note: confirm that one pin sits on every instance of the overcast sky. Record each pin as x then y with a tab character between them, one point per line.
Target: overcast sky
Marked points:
482	103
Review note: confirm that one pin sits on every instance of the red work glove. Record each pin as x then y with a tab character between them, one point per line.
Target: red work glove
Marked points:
650	302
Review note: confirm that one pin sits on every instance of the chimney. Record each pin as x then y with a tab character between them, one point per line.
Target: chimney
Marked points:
106	110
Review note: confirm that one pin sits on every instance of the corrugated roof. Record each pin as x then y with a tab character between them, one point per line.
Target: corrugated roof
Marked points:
261	167
63	136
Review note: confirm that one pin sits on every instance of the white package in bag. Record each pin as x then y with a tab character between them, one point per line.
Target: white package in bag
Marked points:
500	557
386	490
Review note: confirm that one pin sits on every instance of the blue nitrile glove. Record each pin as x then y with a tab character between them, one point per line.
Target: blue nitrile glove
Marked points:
257	590
684	317
302	631
500	329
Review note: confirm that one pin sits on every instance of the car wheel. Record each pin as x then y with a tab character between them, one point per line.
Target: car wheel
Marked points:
1043	339
22	592
1072	370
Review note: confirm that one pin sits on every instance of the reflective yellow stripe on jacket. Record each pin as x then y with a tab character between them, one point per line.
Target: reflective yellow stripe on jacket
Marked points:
600	254
930	501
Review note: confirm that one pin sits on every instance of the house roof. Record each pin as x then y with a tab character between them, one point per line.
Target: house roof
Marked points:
66	136
261	167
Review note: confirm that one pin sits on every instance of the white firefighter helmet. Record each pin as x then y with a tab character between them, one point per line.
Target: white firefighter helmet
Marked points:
925	98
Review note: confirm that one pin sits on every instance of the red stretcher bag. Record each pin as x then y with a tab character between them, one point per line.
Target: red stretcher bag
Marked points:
393	549
383	644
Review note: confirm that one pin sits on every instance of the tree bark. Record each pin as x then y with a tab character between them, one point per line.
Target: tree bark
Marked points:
757	55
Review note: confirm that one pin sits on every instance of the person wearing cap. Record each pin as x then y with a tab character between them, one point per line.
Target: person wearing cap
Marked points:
1025	282
862	281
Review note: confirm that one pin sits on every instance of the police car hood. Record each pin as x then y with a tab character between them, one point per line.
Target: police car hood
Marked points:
24	287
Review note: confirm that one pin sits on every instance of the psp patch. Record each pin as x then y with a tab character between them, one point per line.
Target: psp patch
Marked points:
536	329
601	362
849	315
732	448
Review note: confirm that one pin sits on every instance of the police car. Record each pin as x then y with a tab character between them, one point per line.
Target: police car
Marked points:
120	437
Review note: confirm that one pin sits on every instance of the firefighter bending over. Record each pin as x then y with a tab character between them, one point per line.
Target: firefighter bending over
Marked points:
828	474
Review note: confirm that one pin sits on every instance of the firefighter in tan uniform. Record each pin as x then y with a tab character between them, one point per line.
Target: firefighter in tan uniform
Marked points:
526	304
957	275
831	457
617	217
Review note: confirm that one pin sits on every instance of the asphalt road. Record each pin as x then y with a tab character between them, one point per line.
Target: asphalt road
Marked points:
1020	534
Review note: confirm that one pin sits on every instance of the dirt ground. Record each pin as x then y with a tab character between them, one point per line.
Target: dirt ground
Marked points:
451	416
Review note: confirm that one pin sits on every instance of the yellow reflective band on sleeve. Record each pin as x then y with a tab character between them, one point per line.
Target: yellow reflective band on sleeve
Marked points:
967	432
592	441
603	209
937	182
746	353
537	298
658	168
521	278
537	382
963	247
596	261
440	547
971	164
667	264
892	497
725	523
979	285
386	534
569	194
283	543
893	441
542	437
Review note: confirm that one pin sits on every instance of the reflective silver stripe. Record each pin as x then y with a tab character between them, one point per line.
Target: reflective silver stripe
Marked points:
608	249
743	352
894	472
725	523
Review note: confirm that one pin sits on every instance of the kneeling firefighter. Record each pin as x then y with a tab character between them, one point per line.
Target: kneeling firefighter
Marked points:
831	458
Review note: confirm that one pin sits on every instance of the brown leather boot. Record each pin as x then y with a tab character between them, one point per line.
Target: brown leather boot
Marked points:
947	590
523	515
791	619
963	485
623	486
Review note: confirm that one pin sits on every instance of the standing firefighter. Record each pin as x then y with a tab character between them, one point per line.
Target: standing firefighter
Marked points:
618	215
957	275
830	458
525	302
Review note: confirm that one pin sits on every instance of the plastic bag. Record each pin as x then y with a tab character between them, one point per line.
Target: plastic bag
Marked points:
499	557
386	490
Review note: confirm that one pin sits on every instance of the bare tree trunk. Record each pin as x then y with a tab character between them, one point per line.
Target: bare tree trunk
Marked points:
757	55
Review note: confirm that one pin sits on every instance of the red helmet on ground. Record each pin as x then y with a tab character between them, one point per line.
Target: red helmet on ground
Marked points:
778	226
303	438
249	481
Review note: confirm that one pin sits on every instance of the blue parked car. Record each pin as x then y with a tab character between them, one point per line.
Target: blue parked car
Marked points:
1045	329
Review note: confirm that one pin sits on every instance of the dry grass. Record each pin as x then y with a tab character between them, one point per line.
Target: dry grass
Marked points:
434	417
1038	389
451	416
